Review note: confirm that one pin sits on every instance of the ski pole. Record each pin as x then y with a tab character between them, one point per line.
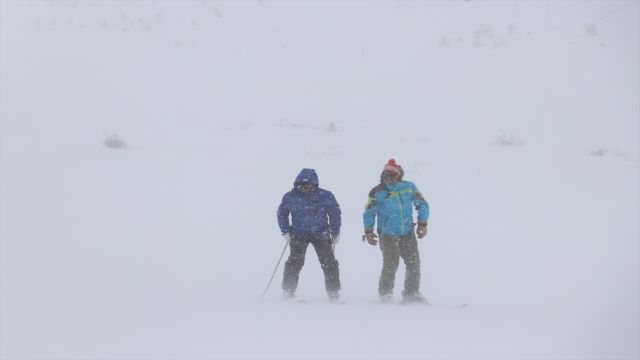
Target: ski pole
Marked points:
274	271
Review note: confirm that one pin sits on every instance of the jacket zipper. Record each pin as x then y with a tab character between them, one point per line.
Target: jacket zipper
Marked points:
401	215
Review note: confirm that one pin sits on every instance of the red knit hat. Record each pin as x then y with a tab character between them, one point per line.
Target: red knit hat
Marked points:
393	167
395	170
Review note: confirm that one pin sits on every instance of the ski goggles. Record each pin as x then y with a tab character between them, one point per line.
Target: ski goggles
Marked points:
307	186
389	176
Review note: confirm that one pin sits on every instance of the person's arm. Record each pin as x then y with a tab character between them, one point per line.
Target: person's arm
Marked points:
422	208
283	215
421	205
335	215
369	219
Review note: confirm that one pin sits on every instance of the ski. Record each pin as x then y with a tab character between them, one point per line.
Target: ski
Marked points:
304	301
428	304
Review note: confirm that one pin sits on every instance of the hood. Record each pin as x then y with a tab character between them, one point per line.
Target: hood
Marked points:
306	176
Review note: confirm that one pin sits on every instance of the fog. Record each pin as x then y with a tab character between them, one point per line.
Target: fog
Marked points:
146	145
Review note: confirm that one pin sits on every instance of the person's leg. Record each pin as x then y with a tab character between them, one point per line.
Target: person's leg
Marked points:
390	262
293	265
410	255
329	264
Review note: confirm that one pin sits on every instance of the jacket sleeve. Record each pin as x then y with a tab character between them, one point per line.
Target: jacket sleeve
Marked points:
421	205
369	216
283	214
335	215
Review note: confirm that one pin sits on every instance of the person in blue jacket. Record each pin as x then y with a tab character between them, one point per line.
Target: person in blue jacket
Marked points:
316	219
391	203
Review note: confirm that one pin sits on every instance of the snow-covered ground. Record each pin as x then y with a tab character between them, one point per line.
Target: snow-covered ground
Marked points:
518	120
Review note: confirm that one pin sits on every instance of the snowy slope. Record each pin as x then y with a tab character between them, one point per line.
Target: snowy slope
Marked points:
518	120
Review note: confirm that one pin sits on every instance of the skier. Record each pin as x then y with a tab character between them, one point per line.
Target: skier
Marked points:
315	218
391	203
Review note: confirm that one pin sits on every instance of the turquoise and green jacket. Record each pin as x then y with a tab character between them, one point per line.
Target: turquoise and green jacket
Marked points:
392	205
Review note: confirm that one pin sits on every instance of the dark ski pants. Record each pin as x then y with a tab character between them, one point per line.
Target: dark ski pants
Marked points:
393	248
328	262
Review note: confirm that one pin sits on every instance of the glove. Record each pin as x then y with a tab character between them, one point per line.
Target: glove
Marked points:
421	230
336	238
286	237
371	237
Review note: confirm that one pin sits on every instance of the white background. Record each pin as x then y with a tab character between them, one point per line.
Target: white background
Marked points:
518	120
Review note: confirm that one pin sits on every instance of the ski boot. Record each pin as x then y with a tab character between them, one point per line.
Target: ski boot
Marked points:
288	295
386	298
413	298
334	296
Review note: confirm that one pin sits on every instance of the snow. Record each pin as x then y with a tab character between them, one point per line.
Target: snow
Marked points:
519	121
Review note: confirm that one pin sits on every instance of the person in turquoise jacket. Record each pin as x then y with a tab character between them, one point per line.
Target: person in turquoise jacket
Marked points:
391	204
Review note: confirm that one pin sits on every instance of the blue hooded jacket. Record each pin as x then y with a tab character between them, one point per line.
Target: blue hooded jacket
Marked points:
312	213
